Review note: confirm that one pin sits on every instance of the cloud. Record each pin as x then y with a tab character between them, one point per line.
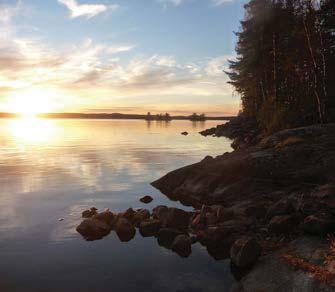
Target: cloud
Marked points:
86	10
7	12
173	2
90	74
221	2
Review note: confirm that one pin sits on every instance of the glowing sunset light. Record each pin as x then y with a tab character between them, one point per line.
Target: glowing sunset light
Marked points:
34	101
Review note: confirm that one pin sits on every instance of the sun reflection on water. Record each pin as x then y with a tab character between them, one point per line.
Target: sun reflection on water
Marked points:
32	130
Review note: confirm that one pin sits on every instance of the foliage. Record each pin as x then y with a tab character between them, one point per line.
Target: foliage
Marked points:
285	57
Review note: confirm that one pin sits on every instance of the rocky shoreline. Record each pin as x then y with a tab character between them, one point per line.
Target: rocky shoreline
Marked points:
279	191
269	206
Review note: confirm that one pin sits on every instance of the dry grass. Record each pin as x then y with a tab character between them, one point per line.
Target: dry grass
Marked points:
322	273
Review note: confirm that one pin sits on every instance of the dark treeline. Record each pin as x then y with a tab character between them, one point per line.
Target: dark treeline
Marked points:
285	66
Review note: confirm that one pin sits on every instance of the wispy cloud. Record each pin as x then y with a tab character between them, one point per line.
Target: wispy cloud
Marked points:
221	2
173	2
7	12
86	10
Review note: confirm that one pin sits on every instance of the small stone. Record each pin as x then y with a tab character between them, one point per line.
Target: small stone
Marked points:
184	133
61	219
146	199
182	245
245	252
150	227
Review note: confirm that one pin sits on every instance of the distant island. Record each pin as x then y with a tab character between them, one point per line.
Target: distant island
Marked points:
148	116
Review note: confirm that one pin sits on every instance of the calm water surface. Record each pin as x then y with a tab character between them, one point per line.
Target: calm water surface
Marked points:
51	169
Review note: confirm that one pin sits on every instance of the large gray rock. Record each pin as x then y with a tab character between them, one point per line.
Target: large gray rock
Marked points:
253	172
273	273
245	252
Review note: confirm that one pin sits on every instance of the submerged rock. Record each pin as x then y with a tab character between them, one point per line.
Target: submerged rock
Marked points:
93	229
182	245
146	199
245	252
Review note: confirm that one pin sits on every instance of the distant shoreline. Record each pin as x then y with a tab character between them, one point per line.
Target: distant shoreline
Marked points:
112	116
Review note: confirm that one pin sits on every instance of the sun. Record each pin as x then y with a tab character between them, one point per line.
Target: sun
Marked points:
33	101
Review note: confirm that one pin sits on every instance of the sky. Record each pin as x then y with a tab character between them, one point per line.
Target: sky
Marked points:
129	56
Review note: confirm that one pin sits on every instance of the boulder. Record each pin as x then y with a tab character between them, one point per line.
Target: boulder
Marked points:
182	245
177	218
89	213
245	252
146	199
149	227
282	224
160	212
124	229
224	214
106	216
93	229
211	218
128	214
166	236
141	215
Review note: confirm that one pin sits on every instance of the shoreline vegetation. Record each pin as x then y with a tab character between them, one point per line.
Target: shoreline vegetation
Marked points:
158	117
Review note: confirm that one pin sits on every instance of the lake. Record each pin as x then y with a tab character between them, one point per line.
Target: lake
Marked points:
52	169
